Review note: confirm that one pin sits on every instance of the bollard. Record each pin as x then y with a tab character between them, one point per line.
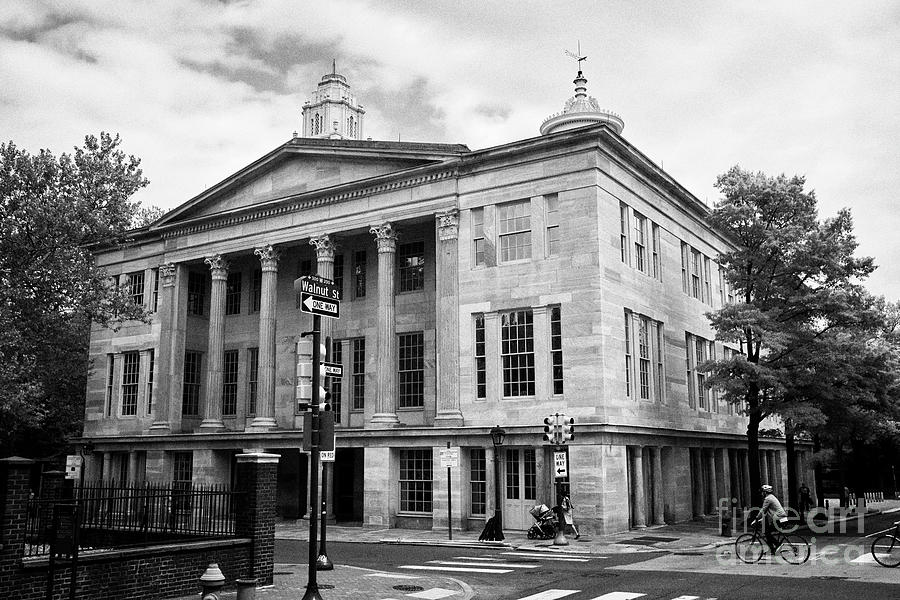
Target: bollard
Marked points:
246	589
211	582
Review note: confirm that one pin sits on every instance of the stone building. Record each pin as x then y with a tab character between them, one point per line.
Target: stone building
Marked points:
564	273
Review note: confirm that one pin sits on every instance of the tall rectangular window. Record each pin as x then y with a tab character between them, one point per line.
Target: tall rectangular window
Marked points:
707	284
131	375
339	273
415	480
359	373
252	379
660	351
229	383
685	269
182	480
640	242
553	236
556	355
196	293
478	236
517	352
515	230
657	267
110	378
136	287
154	303
256	291
478	481
721	273
151	366
696	290
359	274
411	370
337	388
529	459
689	367
644	357
411	266
513	489
233	294
623	232
190	391
701	356
628	321
480	359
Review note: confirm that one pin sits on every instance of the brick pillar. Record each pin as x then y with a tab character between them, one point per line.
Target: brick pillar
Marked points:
256	476
13	511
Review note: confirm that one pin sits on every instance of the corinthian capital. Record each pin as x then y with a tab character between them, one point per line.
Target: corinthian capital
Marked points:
268	257
218	266
324	246
385	237
448	225
167	274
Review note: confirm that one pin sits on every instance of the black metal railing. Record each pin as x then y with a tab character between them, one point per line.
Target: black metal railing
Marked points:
115	514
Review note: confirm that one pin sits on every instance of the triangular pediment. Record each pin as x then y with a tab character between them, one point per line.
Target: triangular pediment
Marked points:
305	165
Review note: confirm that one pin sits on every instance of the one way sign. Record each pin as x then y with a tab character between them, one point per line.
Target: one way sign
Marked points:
560	465
319	305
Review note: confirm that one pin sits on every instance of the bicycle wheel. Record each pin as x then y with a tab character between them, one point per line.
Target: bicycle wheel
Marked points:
886	551
794	549
749	547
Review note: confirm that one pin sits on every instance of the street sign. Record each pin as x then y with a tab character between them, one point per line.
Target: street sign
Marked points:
319	305
449	457
560	465
318	286
333	369
326	455
73	466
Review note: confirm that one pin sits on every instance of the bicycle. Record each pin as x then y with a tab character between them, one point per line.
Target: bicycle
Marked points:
792	547
888	546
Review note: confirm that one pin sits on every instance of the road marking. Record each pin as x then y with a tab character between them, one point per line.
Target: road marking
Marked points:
687	598
550	595
619	596
476	558
433	594
484	564
865	559
392	576
542	556
455	569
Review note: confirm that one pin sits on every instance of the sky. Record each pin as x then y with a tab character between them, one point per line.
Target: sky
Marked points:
198	89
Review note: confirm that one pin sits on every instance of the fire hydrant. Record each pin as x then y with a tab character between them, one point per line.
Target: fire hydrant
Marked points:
212	581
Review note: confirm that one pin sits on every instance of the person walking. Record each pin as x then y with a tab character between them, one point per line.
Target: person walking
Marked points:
568	512
806	502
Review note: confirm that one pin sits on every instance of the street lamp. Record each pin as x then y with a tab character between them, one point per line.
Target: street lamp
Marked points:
497	435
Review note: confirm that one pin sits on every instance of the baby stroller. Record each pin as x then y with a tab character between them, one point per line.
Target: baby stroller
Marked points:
544	527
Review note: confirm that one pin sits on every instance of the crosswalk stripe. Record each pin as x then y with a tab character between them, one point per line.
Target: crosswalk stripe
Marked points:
393	576
687	598
542	556
476	558
619	596
455	569
484	564
550	595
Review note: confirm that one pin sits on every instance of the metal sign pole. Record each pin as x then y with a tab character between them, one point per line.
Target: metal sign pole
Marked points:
449	503
312	586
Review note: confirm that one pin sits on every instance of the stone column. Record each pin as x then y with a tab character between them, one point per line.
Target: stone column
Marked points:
165	359
697	482
255	519
386	346
325	248
212	406
745	476
711	487
722	479
447	319
658	503
763	469
265	394
778	476
639	520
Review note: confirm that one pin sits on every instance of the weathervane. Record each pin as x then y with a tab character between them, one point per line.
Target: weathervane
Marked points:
577	55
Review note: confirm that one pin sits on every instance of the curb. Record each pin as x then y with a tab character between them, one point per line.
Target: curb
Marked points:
446	543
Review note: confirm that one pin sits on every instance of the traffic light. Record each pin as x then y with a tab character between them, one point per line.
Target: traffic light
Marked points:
550	429
567	430
304	375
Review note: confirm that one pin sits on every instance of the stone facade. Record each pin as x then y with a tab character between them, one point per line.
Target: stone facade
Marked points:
565	273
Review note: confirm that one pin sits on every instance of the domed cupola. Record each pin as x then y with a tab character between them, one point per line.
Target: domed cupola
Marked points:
333	111
581	110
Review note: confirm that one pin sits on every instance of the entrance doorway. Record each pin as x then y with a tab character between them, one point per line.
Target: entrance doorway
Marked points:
291	486
519	481
348	486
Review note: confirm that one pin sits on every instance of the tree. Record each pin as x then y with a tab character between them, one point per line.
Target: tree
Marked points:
795	279
53	209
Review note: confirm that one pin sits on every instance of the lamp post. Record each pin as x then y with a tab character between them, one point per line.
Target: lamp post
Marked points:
497	435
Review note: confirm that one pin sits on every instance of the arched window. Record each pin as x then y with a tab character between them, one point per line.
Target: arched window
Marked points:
318	125
350	130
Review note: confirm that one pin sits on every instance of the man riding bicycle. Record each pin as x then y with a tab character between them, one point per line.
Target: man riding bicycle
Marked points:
772	514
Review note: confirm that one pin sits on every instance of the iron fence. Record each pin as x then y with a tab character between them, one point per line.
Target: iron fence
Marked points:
115	514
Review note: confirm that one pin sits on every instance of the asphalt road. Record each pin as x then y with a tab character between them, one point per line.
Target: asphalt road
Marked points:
838	570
